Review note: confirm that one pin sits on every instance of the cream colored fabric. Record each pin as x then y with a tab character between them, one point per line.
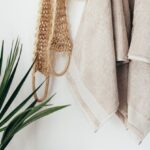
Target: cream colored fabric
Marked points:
139	71
104	81
94	60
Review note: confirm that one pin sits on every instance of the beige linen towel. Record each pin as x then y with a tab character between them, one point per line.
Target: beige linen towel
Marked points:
99	74
92	72
139	72
122	27
99	66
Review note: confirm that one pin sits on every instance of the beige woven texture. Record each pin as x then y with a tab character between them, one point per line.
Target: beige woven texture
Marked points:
61	38
52	37
52	34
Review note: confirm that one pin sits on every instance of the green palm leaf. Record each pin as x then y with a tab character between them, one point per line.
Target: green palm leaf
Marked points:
21	105
14	121
8	75
15	93
1	57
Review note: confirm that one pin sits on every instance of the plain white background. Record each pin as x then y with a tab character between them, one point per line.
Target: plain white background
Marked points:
67	129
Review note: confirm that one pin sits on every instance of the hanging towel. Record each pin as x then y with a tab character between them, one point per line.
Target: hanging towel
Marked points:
99	67
122	27
92	72
104	81
139	71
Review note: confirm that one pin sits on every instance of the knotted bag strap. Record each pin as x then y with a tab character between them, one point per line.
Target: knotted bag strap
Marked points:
61	73
61	41
45	89
52	37
42	44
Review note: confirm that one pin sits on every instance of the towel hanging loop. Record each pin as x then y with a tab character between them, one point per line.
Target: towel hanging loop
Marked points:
61	73
34	87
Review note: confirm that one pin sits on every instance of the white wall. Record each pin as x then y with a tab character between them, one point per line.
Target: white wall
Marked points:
67	129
